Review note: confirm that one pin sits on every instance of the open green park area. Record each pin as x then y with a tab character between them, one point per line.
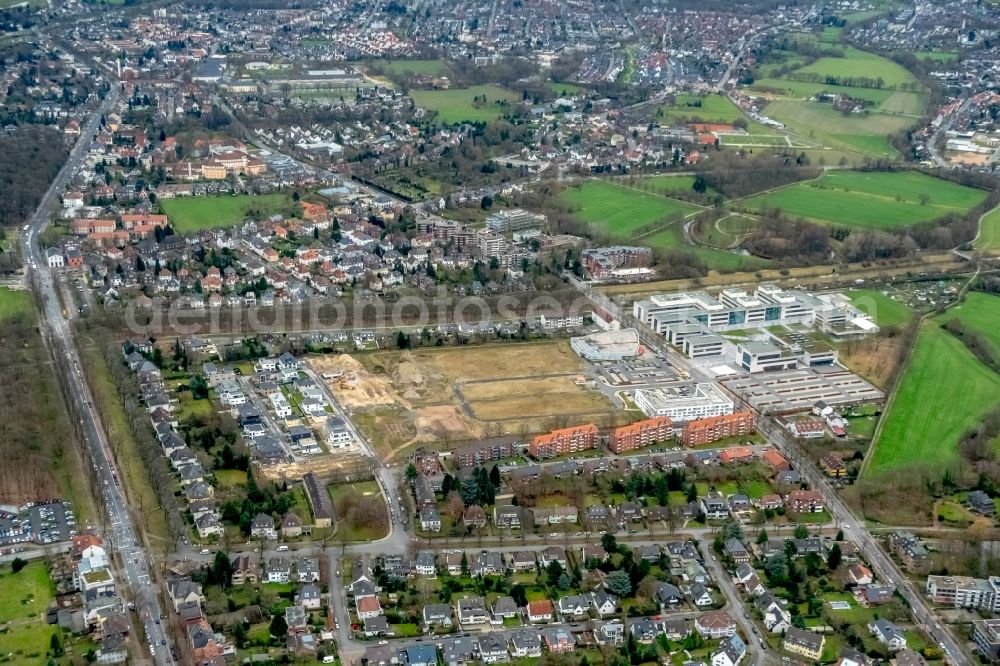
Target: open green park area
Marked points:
350	527
979	312
15	302
643	214
26	596
562	88
712	108
457	105
423	67
871	200
620	211
857	63
885	310
894	100
989	232
944	392
192	214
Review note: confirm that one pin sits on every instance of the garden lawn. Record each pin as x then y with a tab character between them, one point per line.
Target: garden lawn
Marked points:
871	200
619	211
981	313
192	214
944	392
989	232
884	310
456	104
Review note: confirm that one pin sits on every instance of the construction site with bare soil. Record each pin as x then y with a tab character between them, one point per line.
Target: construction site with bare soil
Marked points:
440	396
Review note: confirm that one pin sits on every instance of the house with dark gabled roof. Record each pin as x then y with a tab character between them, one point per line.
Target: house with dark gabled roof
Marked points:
526	643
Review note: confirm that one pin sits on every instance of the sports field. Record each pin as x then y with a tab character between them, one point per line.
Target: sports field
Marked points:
702	108
989	232
885	310
190	214
620	211
872	200
981	313
458	105
944	392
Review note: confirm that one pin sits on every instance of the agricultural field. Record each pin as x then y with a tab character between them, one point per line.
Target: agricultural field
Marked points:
435	394
620	211
944	392
989	232
457	105
701	108
876	200
192	214
885	310
979	312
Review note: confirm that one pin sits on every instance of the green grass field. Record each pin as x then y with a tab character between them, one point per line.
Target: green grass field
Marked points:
867	134
857	63
727	231
891	109
15	303
944	392
989	232
981	313
456	105
667	185
701	108
938	56
424	67
190	214
619	211
25	597
885	311
672	238
871	200
345	530
565	88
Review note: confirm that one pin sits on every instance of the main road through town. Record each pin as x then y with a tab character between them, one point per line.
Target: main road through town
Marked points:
122	535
